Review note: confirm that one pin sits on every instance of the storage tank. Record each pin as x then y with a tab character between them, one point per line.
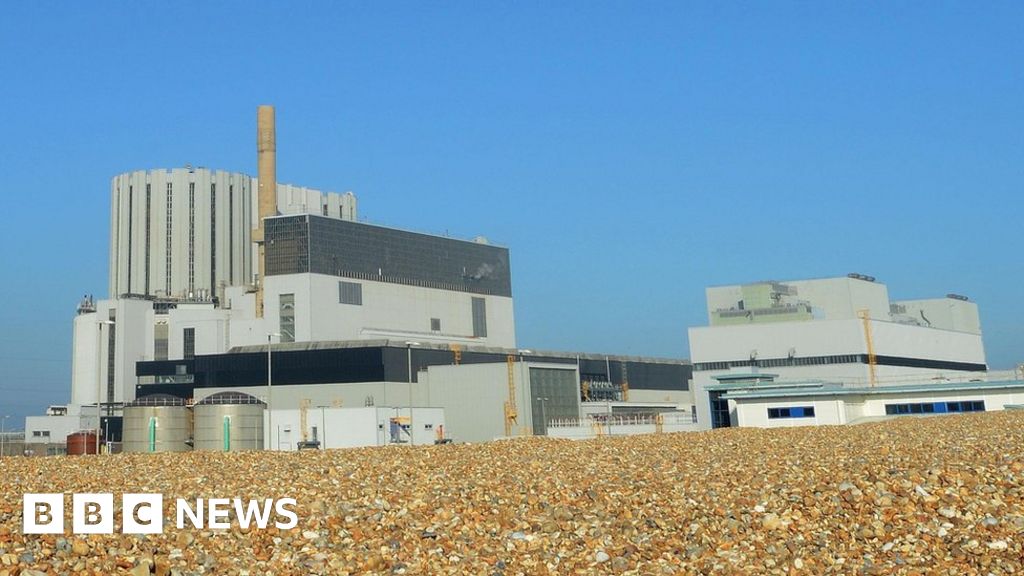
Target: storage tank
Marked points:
82	442
229	421
157	423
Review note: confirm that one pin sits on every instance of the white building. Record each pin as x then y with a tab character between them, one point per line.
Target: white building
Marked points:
757	401
841	330
475	389
328	427
187	232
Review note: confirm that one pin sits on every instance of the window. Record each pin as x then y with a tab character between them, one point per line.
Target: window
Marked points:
428	426
41	433
791	412
160	341
286	322
191	239
168	242
350	293
935	407
190	342
435	324
479	318
213	239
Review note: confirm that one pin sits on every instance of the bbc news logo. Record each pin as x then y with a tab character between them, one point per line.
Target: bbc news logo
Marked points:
144	513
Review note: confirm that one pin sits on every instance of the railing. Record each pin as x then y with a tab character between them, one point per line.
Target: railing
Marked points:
635	419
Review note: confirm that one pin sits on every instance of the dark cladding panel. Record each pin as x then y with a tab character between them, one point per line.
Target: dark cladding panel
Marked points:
348	249
655	376
287	246
292	367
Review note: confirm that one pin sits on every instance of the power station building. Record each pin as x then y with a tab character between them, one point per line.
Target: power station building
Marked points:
187	232
770	346
248	313
209	269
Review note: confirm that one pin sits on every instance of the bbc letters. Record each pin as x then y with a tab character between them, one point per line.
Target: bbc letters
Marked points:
144	513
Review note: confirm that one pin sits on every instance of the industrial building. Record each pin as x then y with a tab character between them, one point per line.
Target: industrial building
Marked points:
248	314
756	399
187	232
772	347
210	269
484	393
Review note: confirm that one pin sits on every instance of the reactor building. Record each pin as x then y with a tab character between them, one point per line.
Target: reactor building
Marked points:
211	271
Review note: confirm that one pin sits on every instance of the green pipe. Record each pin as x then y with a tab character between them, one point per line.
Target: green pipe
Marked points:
227	433
152	434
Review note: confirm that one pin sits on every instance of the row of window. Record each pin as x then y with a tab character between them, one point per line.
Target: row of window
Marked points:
791	412
780	362
936	407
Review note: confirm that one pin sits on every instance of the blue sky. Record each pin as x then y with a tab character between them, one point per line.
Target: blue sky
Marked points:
629	153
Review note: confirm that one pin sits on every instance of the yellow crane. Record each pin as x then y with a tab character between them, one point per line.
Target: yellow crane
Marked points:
456	353
511	415
865	316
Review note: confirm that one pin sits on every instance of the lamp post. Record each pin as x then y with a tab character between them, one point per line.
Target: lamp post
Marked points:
408	351
527	389
99	378
270	397
3	435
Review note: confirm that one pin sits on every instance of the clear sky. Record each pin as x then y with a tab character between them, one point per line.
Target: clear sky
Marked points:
628	153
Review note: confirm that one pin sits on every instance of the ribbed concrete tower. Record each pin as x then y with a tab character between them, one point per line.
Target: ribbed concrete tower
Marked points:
266	149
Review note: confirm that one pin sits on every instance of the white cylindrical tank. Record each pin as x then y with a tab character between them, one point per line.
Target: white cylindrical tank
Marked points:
157	423
229	421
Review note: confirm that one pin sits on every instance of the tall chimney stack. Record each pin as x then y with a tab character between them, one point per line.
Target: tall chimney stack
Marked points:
266	150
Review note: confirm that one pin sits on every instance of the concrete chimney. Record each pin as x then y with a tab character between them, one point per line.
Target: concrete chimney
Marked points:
266	172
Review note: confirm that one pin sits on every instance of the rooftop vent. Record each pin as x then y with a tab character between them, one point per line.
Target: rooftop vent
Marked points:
863	277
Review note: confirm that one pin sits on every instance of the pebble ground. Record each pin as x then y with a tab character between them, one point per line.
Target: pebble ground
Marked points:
939	495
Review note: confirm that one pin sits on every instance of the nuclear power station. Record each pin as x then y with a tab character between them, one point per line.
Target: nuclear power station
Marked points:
248	314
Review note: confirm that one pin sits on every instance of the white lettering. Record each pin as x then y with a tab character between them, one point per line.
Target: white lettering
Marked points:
218	508
282	510
195	516
142	513
92	513
253	511
42	514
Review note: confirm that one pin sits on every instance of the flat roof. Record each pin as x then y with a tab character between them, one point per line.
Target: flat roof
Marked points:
837	390
527	353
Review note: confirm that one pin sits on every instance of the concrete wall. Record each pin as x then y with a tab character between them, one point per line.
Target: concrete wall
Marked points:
201	226
346	395
944	313
133	341
755	413
84	358
474	396
851	408
55	429
353	427
831	298
389	311
212	327
830	338
205	219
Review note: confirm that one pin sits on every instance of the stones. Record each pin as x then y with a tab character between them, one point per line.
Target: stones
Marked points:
946	496
771	522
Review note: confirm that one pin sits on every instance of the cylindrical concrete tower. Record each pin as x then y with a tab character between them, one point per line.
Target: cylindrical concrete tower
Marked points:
180	233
